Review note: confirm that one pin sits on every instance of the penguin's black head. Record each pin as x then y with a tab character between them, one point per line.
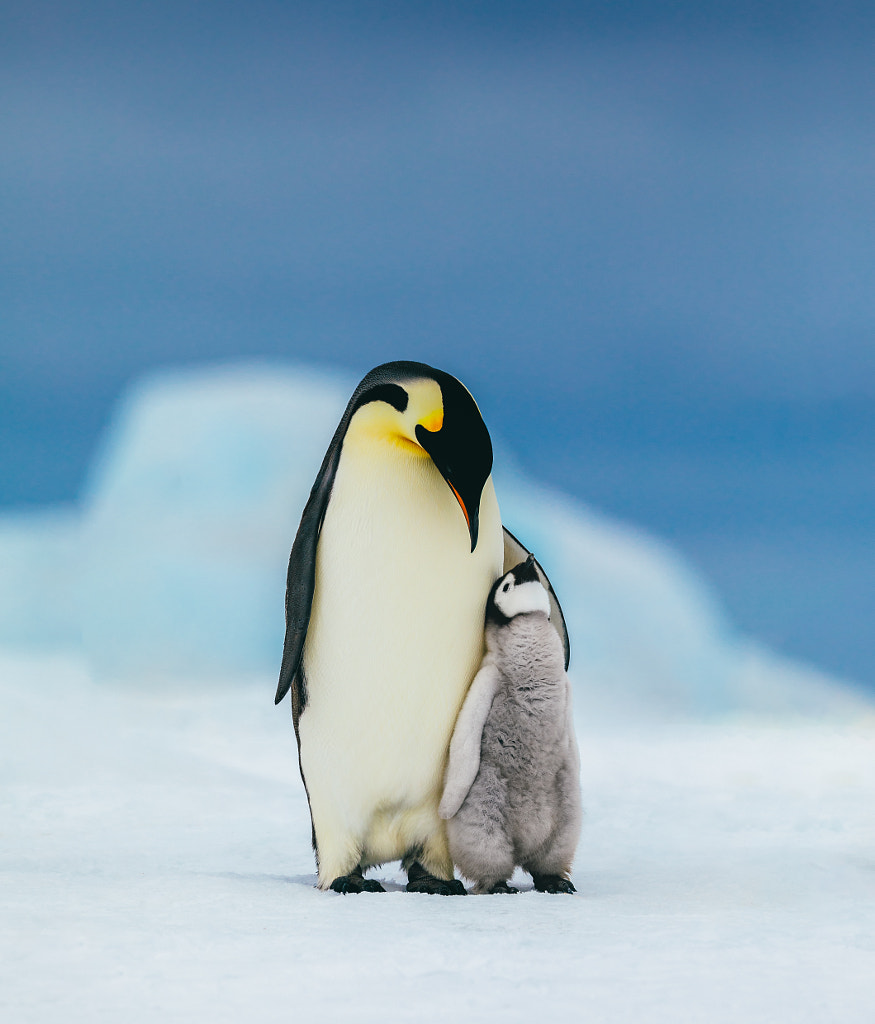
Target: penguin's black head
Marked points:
435	414
517	592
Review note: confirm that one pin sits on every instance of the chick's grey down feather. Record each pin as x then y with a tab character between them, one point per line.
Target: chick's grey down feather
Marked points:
512	789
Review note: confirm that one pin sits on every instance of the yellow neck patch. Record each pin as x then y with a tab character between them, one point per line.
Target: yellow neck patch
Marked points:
381	421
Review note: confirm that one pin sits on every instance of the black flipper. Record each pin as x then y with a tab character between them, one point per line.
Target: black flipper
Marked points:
514	553
301	577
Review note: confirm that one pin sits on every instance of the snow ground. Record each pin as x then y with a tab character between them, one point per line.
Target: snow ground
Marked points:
155	862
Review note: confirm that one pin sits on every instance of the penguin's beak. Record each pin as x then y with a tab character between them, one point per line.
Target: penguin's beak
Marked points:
473	522
468	497
527	572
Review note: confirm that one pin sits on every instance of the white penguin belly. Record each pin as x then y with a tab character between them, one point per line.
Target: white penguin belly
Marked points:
395	638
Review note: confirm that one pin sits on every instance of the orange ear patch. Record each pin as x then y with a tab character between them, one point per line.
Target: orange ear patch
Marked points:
434	421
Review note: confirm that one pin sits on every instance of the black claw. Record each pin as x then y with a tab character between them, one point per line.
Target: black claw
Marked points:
503	887
371	885
420	880
347	883
355	882
553	884
438	887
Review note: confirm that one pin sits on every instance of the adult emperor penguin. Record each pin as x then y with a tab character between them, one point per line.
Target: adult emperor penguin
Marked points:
397	550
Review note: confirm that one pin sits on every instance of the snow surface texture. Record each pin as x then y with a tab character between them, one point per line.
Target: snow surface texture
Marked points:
175	564
155	864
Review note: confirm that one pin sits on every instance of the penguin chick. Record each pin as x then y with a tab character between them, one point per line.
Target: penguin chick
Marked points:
512	786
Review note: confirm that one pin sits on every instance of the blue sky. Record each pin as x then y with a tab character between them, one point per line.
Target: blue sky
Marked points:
642	234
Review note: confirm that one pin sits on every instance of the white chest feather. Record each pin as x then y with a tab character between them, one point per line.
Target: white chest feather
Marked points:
396	630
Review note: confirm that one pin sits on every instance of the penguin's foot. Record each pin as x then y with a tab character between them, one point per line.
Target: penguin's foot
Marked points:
355	882
552	883
420	880
502	887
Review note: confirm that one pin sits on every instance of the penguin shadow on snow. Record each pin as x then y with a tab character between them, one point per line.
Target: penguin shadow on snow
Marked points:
521	883
309	881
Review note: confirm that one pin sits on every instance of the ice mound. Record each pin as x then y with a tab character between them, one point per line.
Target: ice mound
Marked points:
175	565
39	579
189	518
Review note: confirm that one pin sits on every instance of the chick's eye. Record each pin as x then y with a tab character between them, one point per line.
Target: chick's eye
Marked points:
506	587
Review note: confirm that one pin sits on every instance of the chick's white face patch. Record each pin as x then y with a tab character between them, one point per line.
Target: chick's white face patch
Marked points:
518	598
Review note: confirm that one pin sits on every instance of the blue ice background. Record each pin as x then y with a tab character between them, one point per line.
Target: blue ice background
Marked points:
641	233
172	569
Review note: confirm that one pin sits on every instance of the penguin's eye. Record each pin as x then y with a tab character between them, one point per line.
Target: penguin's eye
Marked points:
506	587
